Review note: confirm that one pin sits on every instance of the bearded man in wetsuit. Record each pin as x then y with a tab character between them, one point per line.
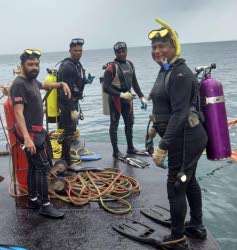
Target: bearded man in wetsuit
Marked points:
119	78
177	119
72	72
28	108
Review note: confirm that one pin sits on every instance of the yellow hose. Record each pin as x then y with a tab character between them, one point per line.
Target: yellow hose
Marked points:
56	146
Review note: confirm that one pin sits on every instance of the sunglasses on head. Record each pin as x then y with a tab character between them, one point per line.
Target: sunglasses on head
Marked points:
33	52
157	33
121	45
80	41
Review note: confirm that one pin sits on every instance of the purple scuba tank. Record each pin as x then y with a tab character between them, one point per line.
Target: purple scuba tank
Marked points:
213	108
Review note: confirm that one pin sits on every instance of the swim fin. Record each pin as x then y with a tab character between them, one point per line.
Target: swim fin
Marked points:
93	157
132	161
137	231
83	154
136	162
143	233
159	214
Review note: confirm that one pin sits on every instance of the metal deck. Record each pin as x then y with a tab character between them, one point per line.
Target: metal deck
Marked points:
87	227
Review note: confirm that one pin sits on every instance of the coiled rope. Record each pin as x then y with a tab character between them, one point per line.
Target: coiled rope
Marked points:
108	185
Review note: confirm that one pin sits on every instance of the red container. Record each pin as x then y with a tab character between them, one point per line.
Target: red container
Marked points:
20	162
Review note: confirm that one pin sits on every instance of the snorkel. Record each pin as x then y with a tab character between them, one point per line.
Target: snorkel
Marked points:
176	42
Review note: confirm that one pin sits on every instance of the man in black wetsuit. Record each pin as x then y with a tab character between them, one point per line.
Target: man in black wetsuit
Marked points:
28	108
72	72
119	78
176	118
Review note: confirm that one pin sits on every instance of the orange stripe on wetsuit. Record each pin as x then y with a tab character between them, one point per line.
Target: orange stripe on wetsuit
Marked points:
117	104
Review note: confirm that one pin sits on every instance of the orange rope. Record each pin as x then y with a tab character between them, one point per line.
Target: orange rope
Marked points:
232	122
233	154
108	185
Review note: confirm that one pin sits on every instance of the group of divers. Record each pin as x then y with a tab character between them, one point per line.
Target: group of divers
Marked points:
175	118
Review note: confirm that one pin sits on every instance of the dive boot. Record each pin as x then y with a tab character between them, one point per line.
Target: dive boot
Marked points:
134	151
197	232
171	242
50	211
161	216
118	155
145	234
36	204
158	214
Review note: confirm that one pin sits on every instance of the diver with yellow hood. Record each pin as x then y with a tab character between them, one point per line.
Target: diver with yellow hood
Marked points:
176	118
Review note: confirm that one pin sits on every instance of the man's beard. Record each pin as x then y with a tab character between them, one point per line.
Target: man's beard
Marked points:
31	75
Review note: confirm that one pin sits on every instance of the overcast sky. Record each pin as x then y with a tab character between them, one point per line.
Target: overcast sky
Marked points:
49	25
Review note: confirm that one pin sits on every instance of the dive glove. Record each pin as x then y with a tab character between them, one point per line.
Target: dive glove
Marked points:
127	95
1	178
159	157
5	90
89	79
74	115
149	140
149	146
144	103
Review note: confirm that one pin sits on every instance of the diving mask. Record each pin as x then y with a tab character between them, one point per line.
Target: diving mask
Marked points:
120	45
79	41
33	52
157	33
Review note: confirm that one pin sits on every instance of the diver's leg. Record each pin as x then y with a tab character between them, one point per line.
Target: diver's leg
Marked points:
115	108
194	197
128	117
42	168
178	209
33	201
178	204
69	128
195	227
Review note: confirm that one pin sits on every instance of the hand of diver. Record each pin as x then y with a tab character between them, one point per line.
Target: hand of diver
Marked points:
89	79
5	90
29	145
144	103
159	157
66	89
74	115
127	95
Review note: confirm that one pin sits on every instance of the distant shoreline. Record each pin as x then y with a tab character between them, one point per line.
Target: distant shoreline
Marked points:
141	46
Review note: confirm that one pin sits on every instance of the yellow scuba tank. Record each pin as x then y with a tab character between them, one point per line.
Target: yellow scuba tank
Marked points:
52	102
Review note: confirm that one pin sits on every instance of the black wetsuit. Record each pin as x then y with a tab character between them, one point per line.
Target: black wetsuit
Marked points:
74	75
127	80
172	100
26	92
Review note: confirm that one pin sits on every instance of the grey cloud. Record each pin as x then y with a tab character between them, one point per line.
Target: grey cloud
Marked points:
49	25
